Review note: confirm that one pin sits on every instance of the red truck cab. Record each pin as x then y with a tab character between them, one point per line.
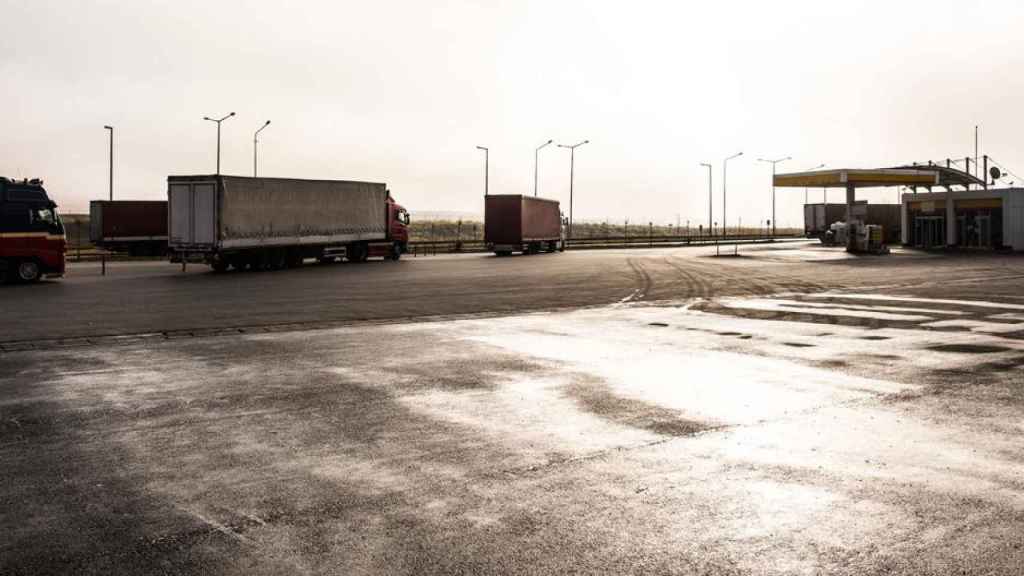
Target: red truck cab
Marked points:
32	241
398	226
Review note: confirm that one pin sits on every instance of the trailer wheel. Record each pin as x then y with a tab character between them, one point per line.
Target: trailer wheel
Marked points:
278	259
28	271
358	252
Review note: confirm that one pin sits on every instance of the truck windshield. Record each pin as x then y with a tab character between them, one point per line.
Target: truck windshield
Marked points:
47	217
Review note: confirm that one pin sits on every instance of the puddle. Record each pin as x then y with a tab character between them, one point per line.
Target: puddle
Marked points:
875	338
969	348
658	324
798	345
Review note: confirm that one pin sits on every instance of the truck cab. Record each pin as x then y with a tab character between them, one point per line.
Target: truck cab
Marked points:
32	241
398	227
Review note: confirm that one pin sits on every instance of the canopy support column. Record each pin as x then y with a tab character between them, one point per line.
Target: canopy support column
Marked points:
851	226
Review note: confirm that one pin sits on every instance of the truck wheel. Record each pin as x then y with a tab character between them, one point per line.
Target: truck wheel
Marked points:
219	265
501	253
28	271
278	259
396	251
358	252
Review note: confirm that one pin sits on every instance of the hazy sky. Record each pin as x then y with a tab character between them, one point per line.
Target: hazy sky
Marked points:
402	92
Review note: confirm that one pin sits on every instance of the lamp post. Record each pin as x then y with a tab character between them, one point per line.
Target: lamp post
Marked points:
725	166
218	121
255	140
487	167
572	169
708	166
806	196
535	155
773	163
111	128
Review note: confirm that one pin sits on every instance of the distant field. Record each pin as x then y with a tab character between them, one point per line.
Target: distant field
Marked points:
77	230
473	230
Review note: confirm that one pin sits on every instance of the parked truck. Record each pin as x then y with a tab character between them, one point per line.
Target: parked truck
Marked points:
527	224
273	223
138	227
819	218
32	242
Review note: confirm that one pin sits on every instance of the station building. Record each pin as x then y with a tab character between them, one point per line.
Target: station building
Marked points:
992	218
967	212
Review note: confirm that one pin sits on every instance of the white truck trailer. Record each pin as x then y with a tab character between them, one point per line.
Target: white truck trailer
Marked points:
272	223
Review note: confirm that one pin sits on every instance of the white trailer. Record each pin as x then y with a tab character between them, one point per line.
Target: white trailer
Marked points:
277	222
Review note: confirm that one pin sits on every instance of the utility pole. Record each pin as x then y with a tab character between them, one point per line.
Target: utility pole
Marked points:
725	166
572	169
976	152
536	152
806	193
218	121
111	129
708	166
254	142
487	167
773	163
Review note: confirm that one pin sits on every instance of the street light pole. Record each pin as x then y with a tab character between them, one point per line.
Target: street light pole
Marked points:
572	169
218	121
255	140
773	163
487	167
708	166
111	128
807	198
535	155
725	166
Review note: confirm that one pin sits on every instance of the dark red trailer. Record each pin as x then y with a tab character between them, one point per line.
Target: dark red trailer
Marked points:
527	224
138	227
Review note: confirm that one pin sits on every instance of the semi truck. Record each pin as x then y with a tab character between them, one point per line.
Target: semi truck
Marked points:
273	223
32	241
819	218
526	224
138	227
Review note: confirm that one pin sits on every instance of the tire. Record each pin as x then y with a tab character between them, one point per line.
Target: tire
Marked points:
358	253
238	263
502	253
219	265
396	251
27	271
278	259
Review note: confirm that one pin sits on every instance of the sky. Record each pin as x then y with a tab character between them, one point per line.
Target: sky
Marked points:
402	92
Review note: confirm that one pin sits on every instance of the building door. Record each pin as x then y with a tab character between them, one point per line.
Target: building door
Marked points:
930	231
983	230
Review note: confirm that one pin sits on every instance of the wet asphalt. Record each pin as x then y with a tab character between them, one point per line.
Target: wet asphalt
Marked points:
788	411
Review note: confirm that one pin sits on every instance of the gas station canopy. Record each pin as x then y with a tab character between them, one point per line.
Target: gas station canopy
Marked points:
858	178
910	176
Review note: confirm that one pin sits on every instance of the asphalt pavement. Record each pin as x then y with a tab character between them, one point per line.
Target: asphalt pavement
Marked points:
789	410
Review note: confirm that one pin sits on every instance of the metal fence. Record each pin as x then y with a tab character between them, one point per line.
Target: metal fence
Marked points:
83	252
